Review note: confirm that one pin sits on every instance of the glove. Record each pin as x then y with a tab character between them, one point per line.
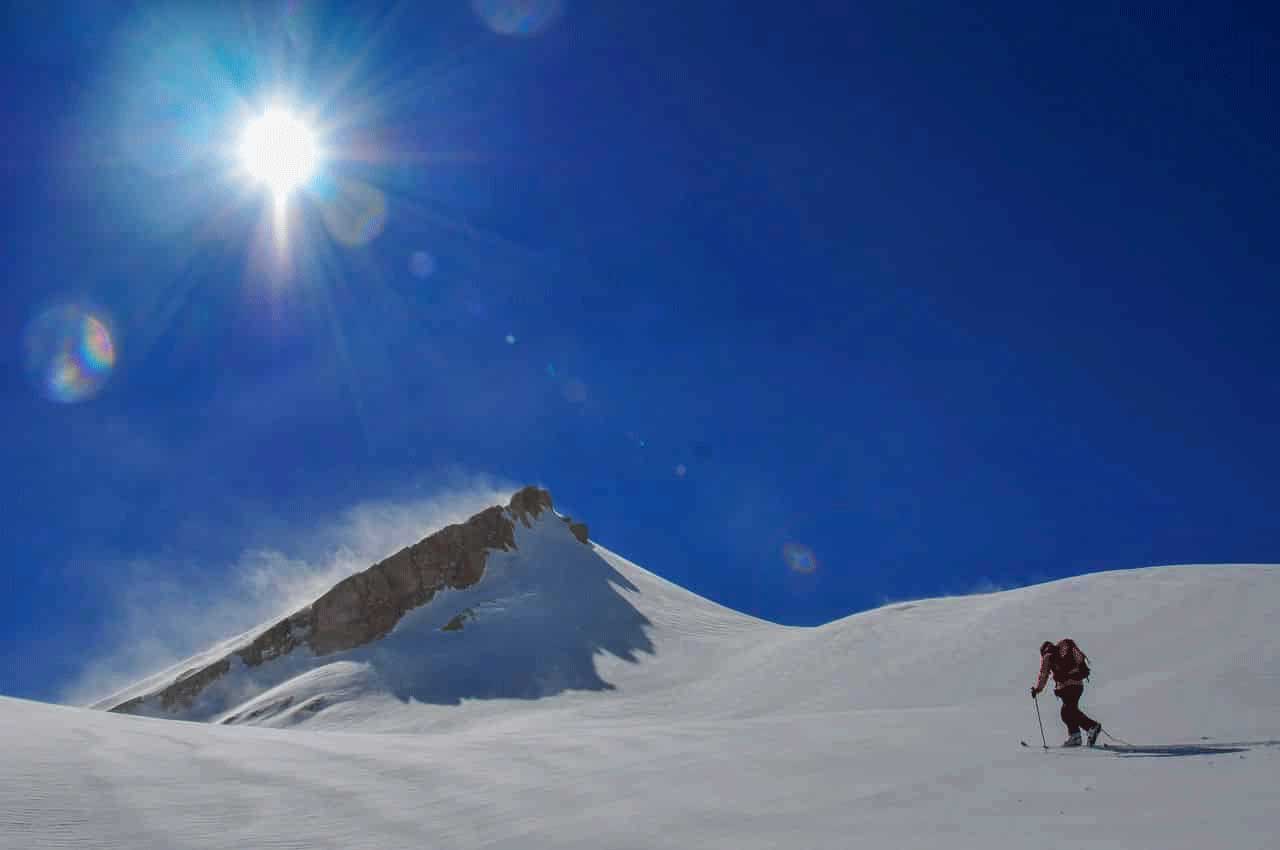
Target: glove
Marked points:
1035	692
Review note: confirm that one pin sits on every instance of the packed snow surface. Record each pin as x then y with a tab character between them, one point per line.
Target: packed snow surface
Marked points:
689	725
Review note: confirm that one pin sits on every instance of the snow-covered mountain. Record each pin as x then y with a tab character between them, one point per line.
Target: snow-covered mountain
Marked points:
513	604
509	683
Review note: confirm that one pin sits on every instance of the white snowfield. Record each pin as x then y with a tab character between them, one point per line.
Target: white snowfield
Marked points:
587	703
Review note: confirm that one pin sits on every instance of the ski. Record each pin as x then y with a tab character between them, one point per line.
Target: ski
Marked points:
1096	747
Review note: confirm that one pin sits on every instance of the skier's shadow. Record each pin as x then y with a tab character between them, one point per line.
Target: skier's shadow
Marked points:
1182	750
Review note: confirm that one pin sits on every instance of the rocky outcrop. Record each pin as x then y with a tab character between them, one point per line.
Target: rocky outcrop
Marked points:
130	706
280	639
458	621
188	686
578	529
264	711
529	503
368	605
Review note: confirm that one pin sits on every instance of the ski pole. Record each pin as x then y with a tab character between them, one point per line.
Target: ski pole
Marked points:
1036	700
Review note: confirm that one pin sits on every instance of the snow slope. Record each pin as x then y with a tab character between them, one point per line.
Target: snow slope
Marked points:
690	725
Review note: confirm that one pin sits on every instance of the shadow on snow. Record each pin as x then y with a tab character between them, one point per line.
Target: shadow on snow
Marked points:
1181	750
530	633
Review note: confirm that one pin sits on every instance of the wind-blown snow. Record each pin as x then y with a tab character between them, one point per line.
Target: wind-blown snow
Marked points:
656	719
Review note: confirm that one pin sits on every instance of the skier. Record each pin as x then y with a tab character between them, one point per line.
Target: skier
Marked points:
1070	667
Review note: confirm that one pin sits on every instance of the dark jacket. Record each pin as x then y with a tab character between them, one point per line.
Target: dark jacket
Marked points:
1066	662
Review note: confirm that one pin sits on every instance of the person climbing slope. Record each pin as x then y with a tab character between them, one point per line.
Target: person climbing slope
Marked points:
1070	667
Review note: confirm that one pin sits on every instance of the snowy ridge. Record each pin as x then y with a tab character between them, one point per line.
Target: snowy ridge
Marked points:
544	610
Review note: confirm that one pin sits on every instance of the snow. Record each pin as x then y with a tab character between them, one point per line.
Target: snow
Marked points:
590	703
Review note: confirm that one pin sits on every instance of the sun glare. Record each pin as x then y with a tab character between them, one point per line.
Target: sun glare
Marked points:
279	150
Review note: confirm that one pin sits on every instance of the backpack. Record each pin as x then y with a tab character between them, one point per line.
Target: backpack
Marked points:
1075	664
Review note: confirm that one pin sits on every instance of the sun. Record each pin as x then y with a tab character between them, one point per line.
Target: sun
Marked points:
280	150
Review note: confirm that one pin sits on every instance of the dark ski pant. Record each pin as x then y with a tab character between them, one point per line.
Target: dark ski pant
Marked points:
1071	713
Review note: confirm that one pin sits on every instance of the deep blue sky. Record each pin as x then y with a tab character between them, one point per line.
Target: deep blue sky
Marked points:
953	298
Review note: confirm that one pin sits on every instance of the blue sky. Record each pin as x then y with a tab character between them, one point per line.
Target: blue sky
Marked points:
950	299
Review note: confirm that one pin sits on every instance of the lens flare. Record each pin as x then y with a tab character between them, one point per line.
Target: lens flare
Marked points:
518	17
799	558
70	353
354	212
422	264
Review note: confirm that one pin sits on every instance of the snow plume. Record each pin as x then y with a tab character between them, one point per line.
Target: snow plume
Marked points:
983	586
163	611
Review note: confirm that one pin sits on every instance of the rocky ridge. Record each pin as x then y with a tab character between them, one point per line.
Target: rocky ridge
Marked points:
366	606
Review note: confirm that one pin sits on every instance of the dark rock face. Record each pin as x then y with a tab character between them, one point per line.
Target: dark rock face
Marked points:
367	606
280	639
529	503
458	621
578	529
184	691
272	709
129	707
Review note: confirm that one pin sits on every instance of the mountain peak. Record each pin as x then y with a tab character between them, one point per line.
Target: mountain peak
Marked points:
366	606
